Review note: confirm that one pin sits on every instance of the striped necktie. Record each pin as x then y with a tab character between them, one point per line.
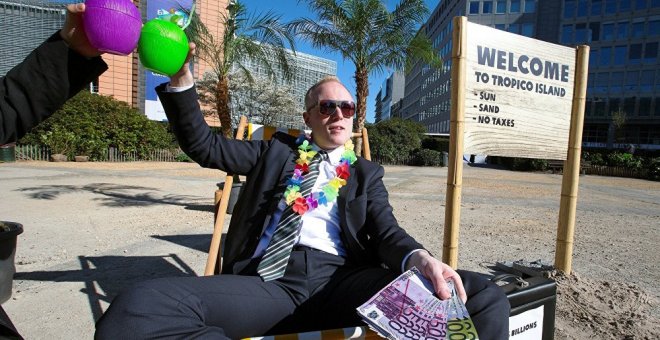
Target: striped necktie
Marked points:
273	263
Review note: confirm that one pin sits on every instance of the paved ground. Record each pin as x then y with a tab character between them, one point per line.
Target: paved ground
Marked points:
91	229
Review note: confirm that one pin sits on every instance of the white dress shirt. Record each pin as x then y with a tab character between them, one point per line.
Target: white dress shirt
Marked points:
319	227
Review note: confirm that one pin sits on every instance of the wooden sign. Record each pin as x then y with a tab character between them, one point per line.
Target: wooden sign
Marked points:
518	95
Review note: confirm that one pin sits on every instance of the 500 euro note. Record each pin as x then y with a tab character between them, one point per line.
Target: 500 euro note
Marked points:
407	309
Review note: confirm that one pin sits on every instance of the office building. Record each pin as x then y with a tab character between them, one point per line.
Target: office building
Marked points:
623	92
427	90
308	70
27	23
391	92
623	105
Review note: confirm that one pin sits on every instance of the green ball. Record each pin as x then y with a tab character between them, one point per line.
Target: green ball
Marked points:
163	47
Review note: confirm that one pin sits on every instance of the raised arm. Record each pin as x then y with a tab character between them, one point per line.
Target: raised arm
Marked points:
50	75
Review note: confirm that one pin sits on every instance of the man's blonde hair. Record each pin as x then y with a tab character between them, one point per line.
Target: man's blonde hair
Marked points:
311	97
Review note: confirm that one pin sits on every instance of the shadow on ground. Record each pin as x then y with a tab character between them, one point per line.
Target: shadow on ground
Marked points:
113	195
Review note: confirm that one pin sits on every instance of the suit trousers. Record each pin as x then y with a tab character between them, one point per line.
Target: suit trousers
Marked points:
318	291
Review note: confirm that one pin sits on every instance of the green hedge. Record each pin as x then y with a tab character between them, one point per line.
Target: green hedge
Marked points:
89	124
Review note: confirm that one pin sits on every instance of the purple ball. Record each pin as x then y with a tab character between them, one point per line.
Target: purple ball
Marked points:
112	26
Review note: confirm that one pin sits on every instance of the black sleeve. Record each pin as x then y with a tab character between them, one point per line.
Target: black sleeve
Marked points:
41	84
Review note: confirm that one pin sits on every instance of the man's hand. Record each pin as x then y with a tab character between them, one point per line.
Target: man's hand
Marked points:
438	273
184	77
73	33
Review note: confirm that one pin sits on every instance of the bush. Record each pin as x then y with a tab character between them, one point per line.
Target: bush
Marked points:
426	157
436	143
519	164
594	158
654	169
89	124
395	138
624	160
182	157
529	164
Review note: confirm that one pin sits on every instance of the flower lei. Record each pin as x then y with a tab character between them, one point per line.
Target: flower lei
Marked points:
329	192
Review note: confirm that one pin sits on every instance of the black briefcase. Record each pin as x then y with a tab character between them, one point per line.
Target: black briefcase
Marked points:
533	301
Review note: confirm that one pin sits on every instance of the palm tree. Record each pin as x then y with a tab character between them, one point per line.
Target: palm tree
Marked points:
370	36
257	39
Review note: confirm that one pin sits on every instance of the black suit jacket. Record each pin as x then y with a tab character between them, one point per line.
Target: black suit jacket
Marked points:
38	86
370	232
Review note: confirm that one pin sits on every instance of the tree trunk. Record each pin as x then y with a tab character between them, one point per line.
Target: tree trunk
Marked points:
362	89
222	106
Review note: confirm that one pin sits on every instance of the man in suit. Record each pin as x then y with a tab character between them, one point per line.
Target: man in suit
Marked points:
34	89
340	252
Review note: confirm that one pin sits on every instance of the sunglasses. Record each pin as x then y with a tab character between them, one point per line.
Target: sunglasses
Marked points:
328	107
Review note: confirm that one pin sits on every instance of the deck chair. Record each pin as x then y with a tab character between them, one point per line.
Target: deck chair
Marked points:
214	261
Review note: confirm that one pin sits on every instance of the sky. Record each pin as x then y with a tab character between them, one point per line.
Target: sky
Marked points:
292	9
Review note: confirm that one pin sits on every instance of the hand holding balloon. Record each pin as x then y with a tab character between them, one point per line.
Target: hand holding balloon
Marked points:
112	26
163	47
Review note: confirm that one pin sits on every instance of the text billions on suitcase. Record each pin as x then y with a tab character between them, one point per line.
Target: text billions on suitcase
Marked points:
521	330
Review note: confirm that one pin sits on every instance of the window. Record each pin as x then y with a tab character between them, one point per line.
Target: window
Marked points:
629	105
500	26
487	7
655	3
640	4
599	108
620	55
500	7
608	32
567	34
527	29
615	105
581	33
646	82
593	59
569	8
654	27
474	7
635	53
605	56
600	84
588	111
530	6
622	30
657	111
616	82
515	6
596	7
637	30
651	52
632	79
514	28
624	5
94	86
644	107
594	27
610	6
582	7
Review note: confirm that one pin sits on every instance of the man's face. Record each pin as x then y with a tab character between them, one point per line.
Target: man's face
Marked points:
330	132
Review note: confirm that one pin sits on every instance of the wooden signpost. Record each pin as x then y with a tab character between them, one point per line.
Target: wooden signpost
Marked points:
518	97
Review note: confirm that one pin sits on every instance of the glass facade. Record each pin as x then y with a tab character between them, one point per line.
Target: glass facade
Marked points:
308	70
27	24
623	67
624	72
427	90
